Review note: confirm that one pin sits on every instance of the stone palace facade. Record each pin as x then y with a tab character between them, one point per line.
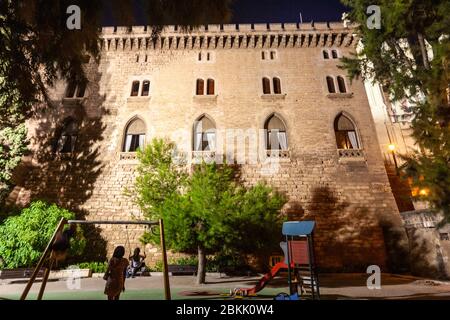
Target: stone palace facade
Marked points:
270	97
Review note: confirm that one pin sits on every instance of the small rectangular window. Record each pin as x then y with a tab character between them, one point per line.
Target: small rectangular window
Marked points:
445	237
145	88
210	87
208	56
276	85
81	90
266	86
135	89
200	87
263	55
273	55
71	88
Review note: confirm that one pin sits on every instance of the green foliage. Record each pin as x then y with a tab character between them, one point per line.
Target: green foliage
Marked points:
96	267
207	209
410	57
23	238
12	148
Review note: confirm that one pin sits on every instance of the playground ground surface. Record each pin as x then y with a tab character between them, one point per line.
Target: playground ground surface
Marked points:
333	287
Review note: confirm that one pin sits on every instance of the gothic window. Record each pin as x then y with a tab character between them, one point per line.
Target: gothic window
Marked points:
276	138
330	84
200	90
134	136
145	88
68	137
204	134
266	85
277	85
135	88
346	135
341	84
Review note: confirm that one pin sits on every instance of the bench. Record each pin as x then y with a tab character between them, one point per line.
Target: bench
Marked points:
182	270
19	273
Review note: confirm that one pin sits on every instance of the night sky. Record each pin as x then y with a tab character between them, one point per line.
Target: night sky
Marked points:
271	11
254	11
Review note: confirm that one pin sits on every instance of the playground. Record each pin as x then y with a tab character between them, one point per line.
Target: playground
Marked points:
333	287
293	278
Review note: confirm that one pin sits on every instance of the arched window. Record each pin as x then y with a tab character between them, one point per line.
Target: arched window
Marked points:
266	85
200	87
135	89
68	137
145	88
277	85
341	84
346	135
204	134
276	138
330	84
210	89
134	136
334	54
325	54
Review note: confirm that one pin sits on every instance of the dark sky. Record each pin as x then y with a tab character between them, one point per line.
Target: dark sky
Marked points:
265	11
254	11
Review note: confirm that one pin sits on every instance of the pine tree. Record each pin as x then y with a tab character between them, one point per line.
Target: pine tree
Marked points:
207	212
409	56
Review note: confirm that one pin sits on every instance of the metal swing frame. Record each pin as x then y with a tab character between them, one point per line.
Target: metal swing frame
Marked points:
60	227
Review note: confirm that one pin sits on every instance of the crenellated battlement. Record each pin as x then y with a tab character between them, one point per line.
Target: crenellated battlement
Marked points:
229	36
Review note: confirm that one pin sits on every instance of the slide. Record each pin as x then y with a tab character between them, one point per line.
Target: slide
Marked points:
263	281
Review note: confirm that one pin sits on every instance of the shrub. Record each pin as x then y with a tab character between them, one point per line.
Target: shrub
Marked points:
96	267
23	238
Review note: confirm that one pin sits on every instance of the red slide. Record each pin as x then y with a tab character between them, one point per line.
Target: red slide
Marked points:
264	280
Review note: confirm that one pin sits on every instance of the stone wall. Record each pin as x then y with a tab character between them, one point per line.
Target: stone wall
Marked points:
349	198
429	244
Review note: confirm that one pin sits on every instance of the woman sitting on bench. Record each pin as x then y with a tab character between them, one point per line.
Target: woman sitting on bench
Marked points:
136	262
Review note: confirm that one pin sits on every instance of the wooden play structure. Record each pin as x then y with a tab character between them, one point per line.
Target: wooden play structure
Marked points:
46	261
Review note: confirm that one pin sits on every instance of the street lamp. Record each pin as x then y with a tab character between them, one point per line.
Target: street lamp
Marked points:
392	148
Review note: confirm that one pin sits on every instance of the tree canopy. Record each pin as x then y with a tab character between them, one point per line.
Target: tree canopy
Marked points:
209	211
409	56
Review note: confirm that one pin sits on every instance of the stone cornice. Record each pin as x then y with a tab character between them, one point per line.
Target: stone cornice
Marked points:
236	36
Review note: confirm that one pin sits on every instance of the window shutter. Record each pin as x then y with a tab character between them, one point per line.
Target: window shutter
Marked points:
210	87
200	87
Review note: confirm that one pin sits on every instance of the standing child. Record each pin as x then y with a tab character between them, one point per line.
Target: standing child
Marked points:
115	274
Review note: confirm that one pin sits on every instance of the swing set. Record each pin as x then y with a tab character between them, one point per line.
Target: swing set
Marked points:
46	256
